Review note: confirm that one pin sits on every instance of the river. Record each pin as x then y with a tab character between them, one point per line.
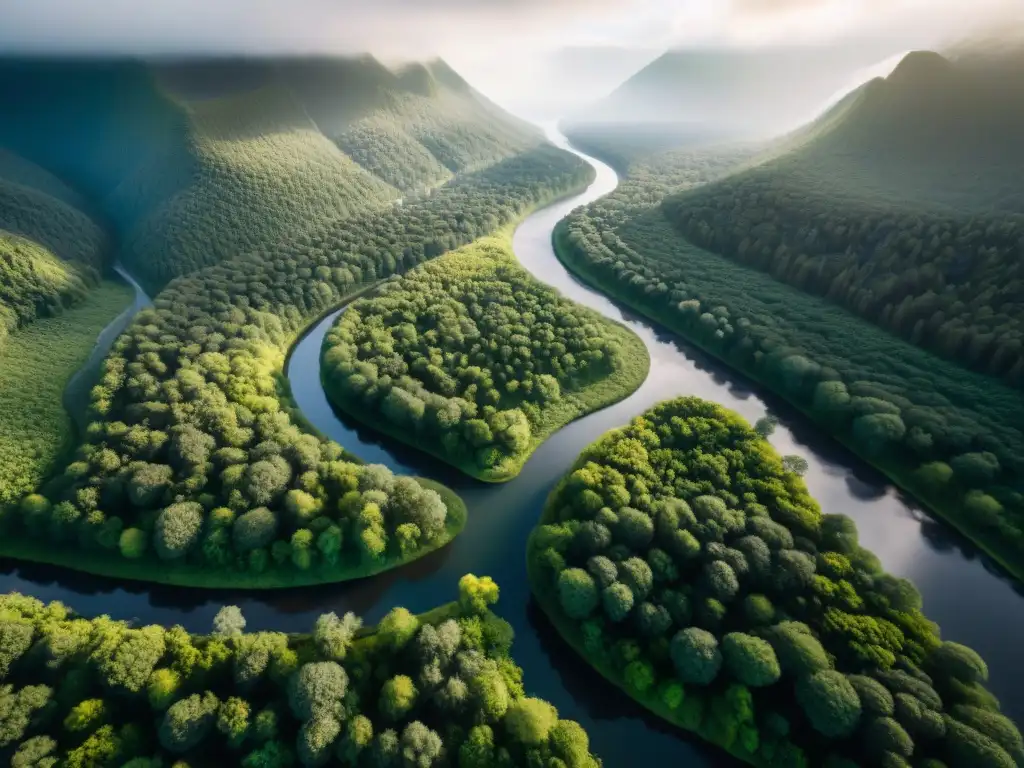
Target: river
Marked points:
967	596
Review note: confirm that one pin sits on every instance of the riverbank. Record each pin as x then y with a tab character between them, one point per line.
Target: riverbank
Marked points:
944	511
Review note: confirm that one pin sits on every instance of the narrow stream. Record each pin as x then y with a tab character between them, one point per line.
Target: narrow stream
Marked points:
962	592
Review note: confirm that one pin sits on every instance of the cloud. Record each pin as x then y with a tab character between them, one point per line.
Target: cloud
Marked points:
418	27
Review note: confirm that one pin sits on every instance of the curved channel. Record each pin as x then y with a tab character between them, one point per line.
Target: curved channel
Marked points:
962	592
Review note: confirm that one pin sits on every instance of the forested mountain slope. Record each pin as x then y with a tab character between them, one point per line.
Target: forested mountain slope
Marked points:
195	162
904	206
50	249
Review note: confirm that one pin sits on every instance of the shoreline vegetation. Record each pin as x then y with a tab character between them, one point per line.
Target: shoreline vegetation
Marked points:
412	690
683	561
281	574
476	387
936	503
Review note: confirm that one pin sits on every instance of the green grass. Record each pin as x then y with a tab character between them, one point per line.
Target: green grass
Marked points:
35	365
943	505
178	574
487	259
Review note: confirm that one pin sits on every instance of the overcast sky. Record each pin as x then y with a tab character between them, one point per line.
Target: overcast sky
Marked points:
512	49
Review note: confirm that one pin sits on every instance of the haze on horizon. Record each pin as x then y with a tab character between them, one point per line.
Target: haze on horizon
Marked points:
539	58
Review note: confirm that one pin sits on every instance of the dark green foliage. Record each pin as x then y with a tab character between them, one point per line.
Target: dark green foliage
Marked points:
875	699
777	636
750	660
473	359
901	407
254	223
884	735
577	593
696	656
306	708
830	703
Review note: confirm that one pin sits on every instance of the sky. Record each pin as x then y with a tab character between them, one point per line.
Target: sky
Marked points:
523	53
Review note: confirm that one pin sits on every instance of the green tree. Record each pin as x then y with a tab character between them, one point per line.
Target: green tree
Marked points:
529	721
750	659
830	703
696	656
577	593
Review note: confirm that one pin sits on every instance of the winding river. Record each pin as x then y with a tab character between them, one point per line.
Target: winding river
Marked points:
967	596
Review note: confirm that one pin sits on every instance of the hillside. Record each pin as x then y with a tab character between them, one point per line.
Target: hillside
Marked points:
235	203
50	250
903	205
732	93
196	161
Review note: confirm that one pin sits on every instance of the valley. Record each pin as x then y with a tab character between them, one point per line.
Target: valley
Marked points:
734	429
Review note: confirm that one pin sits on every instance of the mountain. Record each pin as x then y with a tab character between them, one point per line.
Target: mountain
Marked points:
903	204
194	161
742	93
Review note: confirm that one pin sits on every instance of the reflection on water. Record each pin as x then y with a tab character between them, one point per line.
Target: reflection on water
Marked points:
962	591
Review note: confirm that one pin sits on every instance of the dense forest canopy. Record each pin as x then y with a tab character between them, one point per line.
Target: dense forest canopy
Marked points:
256	221
50	249
955	437
472	358
191	450
434	690
685	562
904	206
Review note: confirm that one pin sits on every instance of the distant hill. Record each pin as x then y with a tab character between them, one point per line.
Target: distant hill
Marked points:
904	203
733	93
195	161
50	249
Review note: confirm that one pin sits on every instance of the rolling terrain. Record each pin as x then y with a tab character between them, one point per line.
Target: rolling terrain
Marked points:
902	205
225	188
195	161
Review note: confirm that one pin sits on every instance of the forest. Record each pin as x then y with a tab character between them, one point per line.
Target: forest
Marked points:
52	306
197	162
439	689
687	565
472	359
50	251
902	205
193	469
953	437
952	284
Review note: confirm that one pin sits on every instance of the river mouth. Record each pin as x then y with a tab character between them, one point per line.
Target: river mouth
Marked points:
972	602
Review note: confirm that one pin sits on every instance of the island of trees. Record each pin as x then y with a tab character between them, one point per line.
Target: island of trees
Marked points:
475	361
689	567
415	691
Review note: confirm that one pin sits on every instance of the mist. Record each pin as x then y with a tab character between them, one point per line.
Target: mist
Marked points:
539	58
